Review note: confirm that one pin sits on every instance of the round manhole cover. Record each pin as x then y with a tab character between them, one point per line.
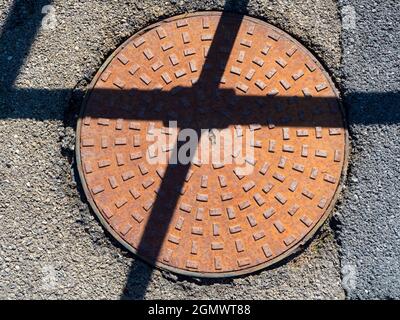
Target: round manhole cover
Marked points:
211	145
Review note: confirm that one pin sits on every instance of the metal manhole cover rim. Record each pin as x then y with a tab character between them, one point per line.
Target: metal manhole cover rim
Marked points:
279	258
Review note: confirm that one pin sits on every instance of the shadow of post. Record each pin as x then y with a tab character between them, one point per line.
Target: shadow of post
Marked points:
174	179
364	108
27	15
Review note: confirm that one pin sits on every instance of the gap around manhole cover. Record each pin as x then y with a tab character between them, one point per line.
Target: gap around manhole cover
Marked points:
247	83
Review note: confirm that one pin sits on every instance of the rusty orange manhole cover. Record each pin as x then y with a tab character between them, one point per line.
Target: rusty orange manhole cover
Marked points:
232	79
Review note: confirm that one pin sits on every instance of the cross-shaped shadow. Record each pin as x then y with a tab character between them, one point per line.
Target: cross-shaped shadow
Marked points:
283	111
174	179
192	108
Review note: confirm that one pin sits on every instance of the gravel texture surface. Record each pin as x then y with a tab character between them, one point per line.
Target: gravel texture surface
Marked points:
369	233
51	246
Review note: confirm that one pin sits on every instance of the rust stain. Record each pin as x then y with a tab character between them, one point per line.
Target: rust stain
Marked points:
224	223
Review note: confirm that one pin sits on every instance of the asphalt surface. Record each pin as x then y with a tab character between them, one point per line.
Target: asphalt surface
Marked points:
51	246
369	234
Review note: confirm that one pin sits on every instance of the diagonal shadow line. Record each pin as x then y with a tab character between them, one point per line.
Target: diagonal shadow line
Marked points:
175	175
19	49
363	108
